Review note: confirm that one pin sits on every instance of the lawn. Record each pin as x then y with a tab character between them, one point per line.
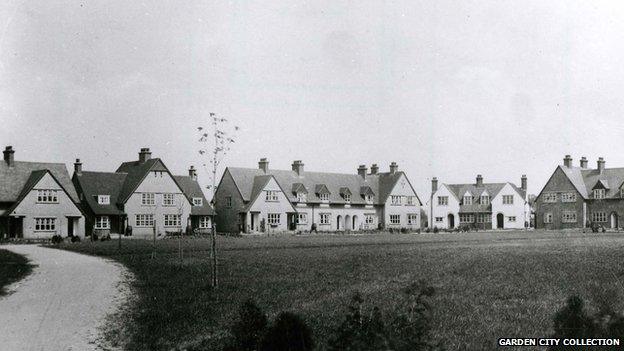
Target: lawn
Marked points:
488	285
13	267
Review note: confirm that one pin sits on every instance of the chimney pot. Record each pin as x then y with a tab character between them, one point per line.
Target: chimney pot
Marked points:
145	154
601	165
263	164
523	182
297	166
567	161
374	168
393	167
362	171
583	162
434	184
78	167
192	172
479	180
9	156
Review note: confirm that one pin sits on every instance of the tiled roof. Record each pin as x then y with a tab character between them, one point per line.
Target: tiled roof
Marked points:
584	180
459	190
93	184
381	184
475	208
136	172
34	178
191	189
13	179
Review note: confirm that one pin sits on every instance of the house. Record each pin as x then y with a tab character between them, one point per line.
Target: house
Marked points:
256	200
37	200
142	198
575	197
479	205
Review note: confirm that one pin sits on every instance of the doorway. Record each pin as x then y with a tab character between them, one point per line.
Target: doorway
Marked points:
451	221
347	222
70	227
614	220
355	223
338	222
500	221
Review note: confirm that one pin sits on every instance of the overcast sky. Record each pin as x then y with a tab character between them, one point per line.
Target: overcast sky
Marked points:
444	88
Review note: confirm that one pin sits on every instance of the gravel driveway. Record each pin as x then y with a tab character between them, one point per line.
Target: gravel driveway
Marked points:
62	305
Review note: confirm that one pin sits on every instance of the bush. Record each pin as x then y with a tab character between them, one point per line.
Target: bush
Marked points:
250	327
435	230
94	237
427	230
404	231
288	333
75	239
57	239
105	237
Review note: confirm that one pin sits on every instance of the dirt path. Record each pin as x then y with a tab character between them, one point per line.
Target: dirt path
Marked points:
62	305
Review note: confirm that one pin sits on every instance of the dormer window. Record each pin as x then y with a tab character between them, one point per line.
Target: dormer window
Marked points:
485	200
411	200
103	199
395	199
347	197
599	193
47	196
467	200
198	201
324	197
271	196
369	199
301	197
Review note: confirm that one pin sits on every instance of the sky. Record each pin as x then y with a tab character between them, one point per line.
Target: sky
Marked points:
449	89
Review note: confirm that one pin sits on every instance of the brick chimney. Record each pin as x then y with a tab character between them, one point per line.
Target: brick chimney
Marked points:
9	156
584	162
393	167
523	182
479	180
374	168
144	155
567	161
297	166
263	164
78	167
434	184
192	172
601	165
362	171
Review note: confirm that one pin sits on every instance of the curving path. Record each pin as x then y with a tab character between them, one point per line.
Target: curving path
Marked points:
63	303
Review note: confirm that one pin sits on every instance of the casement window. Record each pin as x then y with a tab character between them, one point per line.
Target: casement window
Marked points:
301	197
347	197
168	199
396	200
599	193
568	217
568	197
484	218
548	217
439	219
508	199
204	222
302	218
550	197
442	200
395	219
412	219
147	199
411	200
324	196
466	218
622	192
599	217
47	196
511	218
369	199
271	196
273	218
485	200
103	199
102	222
173	220
144	220
467	200
45	224
198	201
369	219
228	201
325	218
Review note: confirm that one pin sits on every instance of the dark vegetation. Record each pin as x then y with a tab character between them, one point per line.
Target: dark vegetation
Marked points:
13	267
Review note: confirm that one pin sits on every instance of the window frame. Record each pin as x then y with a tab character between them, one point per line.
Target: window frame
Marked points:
274	219
228	202
103	200
412	218
324	197
102	222
508	199
443	200
198	201
144	220
325	218
467	200
548	218
203	222
602	192
302	218
550	197
168	196
569	217
369	219
148	199
568	197
394	219
271	196
47	196
601	215
45	224
172	220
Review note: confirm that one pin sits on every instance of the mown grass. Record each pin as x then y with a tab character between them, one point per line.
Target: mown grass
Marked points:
13	267
488	285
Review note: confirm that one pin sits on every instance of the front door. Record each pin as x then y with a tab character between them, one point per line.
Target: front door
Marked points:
70	226
500	221
451	221
614	220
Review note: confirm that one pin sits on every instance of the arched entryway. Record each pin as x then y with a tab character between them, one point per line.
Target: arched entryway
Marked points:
338	222
347	222
500	221
451	221
614	220
356	225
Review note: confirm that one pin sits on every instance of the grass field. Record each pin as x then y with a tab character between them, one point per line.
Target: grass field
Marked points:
488	285
13	267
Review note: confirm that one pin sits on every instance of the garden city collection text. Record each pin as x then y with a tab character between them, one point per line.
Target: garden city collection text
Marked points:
557	342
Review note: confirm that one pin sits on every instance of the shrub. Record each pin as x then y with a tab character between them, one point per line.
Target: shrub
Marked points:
435	230
94	237
289	333
427	230
75	239
57	239
248	330
105	237
404	231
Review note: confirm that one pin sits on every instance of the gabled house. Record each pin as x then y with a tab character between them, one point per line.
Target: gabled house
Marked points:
575	197
256	200
479	205
142	198
37	200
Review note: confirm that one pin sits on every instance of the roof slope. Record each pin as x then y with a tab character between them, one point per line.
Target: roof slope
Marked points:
584	180
191	189
459	190
14	179
93	184
136	172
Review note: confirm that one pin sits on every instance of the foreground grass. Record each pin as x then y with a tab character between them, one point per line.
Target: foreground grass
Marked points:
13	267
489	285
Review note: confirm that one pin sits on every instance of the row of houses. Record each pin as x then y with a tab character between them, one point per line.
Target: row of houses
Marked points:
143	198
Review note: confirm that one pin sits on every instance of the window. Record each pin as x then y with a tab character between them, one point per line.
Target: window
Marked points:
485	200
104	199
411	200
147	199
508	199
302	218
568	217
599	193
102	222
271	196
369	219
439	219
442	200
369	199
396	200
467	200
168	200
228	201
324	197
511	218
204	222
172	220
550	197
325	218
412	219
198	201
568	197
144	220
395	219
548	217
599	217
347	197
47	196
466	218
301	197
484	218
45	224
273	218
